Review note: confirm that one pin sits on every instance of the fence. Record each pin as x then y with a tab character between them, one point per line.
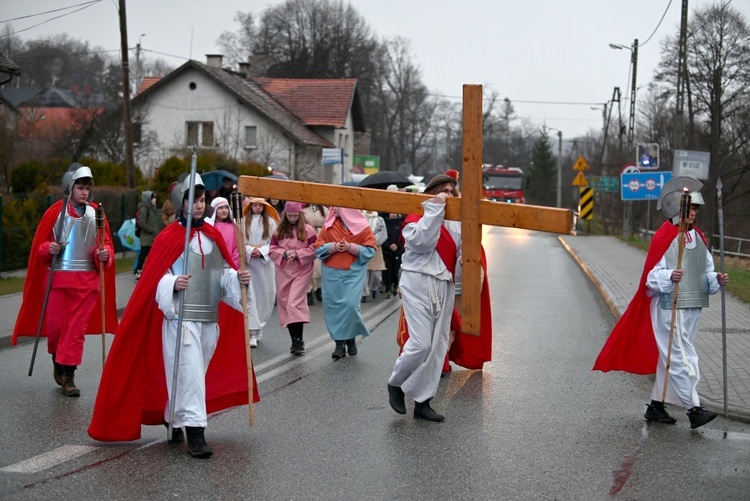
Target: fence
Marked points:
17	225
733	246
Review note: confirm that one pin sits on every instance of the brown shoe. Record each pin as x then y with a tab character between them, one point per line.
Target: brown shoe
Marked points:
69	387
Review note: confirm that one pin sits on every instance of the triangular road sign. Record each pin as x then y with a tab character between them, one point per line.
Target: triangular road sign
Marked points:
580	179
581	165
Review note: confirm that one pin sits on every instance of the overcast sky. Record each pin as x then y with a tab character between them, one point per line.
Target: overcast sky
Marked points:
534	52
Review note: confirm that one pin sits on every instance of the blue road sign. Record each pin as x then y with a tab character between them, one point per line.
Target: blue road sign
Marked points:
643	185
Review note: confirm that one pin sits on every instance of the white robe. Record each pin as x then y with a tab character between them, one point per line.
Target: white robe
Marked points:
199	340
263	282
428	293
684	374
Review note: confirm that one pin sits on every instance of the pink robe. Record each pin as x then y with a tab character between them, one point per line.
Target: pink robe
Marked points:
227	231
293	277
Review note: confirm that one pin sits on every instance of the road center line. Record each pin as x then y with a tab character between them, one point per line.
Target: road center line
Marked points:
49	459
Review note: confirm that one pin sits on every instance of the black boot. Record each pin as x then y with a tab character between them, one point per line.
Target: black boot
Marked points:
340	351
177	435
699	416
298	346
197	446
422	410
310	299
656	412
396	399
57	372
351	347
68	382
319	295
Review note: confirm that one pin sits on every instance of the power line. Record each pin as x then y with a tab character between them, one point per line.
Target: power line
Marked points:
566	103
45	56
659	24
85	6
48	12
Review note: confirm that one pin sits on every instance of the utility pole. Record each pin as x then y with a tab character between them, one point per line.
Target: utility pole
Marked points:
628	209
127	122
679	118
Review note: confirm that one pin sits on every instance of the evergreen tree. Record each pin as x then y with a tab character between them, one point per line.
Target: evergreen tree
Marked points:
543	171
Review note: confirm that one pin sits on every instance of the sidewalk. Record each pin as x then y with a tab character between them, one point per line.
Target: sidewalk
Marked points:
615	268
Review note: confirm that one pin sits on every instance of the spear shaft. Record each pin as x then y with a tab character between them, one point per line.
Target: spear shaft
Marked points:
57	234
181	296
720	212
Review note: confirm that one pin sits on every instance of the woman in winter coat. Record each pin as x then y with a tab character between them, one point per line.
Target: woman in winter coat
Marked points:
149	225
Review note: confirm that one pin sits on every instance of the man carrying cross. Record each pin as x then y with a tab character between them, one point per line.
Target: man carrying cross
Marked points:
427	290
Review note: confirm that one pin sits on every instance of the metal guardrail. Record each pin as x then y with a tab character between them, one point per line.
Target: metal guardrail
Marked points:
733	246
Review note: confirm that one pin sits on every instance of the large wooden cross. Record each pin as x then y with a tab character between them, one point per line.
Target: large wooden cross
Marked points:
470	209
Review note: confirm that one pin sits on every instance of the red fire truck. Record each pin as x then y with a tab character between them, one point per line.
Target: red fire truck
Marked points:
504	184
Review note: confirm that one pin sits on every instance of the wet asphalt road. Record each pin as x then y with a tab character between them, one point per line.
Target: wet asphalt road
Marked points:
537	423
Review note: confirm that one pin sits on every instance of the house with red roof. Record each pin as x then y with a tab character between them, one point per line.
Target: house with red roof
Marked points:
282	123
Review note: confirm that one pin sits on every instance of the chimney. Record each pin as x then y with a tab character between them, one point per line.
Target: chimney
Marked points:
258	65
214	60
244	69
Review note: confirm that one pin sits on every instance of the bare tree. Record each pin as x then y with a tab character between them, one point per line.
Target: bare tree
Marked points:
718	93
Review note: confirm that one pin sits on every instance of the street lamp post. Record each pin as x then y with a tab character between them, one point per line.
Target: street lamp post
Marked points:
559	168
628	206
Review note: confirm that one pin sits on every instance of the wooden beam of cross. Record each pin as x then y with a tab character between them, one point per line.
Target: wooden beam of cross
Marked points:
470	209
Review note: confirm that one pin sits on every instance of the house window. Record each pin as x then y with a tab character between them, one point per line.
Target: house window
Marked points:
251	136
201	133
137	132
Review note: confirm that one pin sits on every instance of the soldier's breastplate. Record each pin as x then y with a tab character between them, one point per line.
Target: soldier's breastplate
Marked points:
693	290
79	235
201	300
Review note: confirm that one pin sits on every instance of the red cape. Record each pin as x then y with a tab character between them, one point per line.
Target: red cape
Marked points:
631	346
133	389
467	350
37	273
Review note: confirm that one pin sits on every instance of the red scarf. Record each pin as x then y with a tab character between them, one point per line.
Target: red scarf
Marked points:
446	246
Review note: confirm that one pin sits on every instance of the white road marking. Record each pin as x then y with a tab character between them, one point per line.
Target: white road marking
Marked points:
49	459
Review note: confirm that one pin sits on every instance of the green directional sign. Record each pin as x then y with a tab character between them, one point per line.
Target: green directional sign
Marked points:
605	183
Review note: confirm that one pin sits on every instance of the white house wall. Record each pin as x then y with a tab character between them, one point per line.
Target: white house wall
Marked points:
340	138
165	114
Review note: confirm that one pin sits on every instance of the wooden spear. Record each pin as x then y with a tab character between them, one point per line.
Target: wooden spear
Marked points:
236	197
684	208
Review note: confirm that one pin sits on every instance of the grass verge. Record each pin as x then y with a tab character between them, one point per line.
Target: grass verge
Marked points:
12	285
738	269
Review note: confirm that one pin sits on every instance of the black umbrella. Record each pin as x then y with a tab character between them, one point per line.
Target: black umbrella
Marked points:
385	178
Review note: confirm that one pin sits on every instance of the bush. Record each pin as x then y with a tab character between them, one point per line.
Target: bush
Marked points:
20	218
26	176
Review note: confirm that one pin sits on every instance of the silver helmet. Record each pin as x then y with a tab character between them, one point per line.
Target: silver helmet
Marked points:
671	193
75	172
182	186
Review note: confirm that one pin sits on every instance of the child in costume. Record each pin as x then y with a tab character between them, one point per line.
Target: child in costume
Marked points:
68	243
137	382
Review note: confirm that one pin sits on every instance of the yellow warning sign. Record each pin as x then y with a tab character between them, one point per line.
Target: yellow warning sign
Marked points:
580	165
580	180
586	204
